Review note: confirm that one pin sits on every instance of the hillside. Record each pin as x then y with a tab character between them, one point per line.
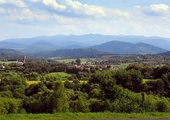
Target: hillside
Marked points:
9	54
87	40
80	52
3	50
40	46
9	45
119	47
165	53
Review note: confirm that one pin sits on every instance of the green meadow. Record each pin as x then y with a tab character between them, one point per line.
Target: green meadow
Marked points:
7	62
84	116
61	74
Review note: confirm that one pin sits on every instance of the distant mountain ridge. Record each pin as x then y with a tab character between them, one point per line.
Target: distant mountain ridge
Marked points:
62	41
119	47
165	53
79	52
121	44
3	50
6	54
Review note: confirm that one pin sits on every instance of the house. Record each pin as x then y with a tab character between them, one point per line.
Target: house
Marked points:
2	66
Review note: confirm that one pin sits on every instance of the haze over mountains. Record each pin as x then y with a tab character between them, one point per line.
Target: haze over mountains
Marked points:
120	44
120	47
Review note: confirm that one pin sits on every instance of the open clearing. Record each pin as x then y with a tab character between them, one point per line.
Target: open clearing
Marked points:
87	116
61	74
83	60
7	62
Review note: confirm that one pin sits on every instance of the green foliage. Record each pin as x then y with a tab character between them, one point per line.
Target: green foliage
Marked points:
106	90
131	79
9	105
78	61
13	84
33	76
79	105
96	105
60	98
127	102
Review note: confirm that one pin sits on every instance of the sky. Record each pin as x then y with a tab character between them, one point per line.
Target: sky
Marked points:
30	18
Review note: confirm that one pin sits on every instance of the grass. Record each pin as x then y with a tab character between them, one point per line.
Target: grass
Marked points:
32	82
147	80
61	74
7	62
83	60
122	65
83	116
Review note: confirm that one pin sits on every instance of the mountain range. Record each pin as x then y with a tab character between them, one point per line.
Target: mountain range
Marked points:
165	53
95	43
120	47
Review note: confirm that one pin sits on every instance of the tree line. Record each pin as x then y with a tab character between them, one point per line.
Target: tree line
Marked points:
107	90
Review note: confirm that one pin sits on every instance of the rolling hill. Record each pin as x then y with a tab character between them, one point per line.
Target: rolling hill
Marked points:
87	40
63	45
80	52
3	50
165	53
40	46
119	47
9	54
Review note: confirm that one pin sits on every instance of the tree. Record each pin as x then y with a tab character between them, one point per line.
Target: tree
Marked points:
107	83
60	98
131	79
10	105
166	80
33	76
78	61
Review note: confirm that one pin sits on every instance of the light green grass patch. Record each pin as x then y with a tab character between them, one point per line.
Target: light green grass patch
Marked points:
122	65
147	80
65	60
83	60
7	62
61	74
84	116
32	82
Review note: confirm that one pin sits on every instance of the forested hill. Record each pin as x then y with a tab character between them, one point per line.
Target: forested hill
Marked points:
165	53
3	50
9	54
80	52
121	47
63	41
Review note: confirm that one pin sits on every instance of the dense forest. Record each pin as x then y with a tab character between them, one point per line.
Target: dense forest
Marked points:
136	88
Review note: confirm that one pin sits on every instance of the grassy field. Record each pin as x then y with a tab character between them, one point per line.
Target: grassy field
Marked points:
83	60
84	116
147	80
122	65
32	82
7	62
61	74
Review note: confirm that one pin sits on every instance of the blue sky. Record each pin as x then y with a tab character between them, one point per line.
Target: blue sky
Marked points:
29	18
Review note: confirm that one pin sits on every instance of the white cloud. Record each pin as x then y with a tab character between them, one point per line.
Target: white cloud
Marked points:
2	10
54	4
154	10
18	3
35	0
93	11
73	17
159	7
26	15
